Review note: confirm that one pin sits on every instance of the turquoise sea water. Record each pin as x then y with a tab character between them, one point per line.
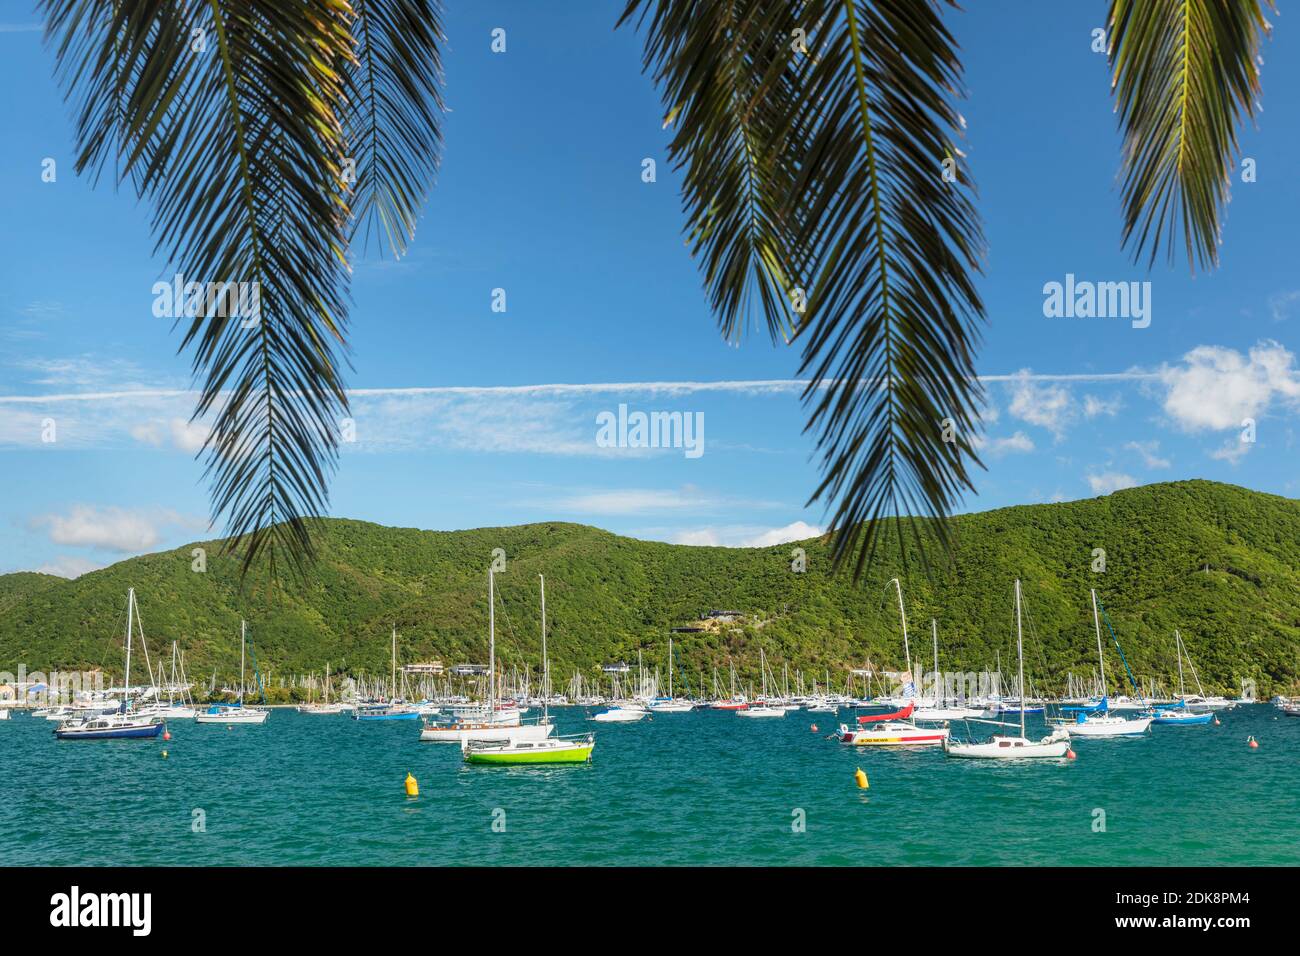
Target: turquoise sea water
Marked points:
680	789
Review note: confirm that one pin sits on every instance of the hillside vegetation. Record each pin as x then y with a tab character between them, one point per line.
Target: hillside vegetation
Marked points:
1218	562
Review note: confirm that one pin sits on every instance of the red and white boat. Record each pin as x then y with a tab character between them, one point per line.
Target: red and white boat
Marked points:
740	704
892	730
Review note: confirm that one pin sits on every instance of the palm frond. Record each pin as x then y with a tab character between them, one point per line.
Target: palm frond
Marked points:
726	89
864	220
395	107
1185	74
233	135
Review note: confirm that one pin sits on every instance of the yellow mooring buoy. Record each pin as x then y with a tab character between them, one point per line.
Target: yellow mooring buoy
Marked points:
861	779
412	788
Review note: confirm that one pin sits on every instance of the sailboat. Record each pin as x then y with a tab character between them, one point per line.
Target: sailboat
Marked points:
174	709
735	701
1178	714
490	722
1100	723
941	709
622	713
891	730
391	710
325	706
908	692
123	725
669	704
1198	701
1006	747
236	713
573	749
762	708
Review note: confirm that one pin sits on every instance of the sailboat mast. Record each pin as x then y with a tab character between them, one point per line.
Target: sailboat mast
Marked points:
1178	649
492	648
1101	658
241	660
1020	650
670	667
907	651
546	664
126	687
393	696
934	631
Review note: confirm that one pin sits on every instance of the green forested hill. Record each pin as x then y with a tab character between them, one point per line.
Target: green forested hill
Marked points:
1220	563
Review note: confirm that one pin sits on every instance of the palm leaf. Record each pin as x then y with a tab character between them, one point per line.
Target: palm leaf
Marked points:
394	92
863	219
1185	73
238	147
242	148
726	88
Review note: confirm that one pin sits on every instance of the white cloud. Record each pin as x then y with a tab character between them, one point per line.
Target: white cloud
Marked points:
1109	481
178	432
1279	304
637	501
1149	452
744	536
1094	406
795	531
1231	451
1047	406
1018	442
1215	388
69	566
122	530
83	372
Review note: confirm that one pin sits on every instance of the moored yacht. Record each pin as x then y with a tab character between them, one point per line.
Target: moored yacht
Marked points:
122	725
235	713
490	721
1006	746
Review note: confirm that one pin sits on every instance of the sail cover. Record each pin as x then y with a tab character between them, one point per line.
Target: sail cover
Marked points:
896	715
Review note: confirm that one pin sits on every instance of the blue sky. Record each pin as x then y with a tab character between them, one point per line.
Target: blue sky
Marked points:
461	420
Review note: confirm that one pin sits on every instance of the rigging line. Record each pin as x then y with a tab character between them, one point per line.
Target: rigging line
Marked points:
1114	637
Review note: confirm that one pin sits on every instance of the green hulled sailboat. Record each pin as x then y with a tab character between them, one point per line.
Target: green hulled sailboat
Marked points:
576	748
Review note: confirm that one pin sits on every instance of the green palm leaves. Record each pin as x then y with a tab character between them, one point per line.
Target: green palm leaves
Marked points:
728	78
1185	74
823	195
253	127
815	142
394	127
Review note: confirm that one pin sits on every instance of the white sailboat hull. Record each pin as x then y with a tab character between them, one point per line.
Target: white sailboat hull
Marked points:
1096	726
761	712
238	715
1009	748
618	715
459	733
320	708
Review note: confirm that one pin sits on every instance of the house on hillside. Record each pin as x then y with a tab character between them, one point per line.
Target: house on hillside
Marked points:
722	616
434	668
469	670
